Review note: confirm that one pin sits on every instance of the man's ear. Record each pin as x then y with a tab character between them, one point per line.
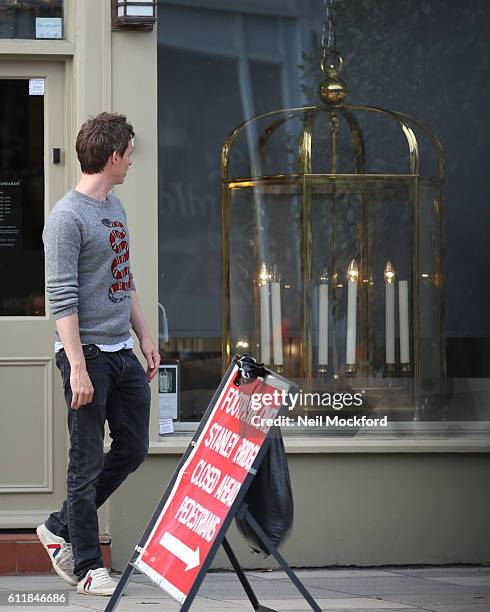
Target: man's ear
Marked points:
115	157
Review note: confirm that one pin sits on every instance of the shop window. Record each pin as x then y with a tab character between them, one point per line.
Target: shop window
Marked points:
31	19
219	65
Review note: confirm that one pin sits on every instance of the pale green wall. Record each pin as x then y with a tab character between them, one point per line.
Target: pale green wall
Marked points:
351	509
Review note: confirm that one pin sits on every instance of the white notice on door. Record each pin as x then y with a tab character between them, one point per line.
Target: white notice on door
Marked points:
36	87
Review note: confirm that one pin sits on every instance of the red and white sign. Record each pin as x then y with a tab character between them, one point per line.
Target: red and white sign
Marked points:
207	485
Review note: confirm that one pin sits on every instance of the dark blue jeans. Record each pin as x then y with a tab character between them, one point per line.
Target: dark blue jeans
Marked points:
122	397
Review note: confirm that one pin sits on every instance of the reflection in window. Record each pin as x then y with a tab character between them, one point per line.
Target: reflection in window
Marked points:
226	67
39	19
21	199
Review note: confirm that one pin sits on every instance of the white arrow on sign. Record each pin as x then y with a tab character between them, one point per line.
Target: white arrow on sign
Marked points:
182	551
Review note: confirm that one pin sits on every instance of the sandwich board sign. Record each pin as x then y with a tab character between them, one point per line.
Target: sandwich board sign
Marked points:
208	487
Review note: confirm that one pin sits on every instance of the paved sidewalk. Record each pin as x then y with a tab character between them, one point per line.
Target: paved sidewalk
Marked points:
439	589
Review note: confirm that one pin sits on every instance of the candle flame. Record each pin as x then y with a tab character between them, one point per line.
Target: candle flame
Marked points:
324	276
389	273
264	275
352	272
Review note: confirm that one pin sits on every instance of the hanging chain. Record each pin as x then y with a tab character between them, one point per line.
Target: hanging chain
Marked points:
329	37
329	41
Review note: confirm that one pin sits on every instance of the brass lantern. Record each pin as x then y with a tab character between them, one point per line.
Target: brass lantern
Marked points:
333	252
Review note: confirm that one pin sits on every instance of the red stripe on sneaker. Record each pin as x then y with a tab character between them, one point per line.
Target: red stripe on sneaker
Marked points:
54	545
87	583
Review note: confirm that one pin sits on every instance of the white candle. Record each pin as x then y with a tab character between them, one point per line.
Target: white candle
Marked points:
323	320
276	318
265	322
403	313
389	276
352	276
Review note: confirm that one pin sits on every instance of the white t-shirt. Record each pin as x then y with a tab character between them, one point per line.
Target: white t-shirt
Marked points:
107	348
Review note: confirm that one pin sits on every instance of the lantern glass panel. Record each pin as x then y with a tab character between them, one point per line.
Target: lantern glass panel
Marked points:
430	298
131	9
264	228
368	220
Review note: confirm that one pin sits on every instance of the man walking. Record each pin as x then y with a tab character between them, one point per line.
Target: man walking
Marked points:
92	298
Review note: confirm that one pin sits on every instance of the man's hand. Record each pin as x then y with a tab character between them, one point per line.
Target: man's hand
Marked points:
152	357
81	387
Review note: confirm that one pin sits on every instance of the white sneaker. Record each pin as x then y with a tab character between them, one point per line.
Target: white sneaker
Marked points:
97	582
60	553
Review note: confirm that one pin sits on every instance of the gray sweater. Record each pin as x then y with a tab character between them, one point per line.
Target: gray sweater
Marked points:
86	243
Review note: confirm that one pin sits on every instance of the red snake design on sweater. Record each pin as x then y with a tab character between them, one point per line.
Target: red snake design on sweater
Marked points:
120	246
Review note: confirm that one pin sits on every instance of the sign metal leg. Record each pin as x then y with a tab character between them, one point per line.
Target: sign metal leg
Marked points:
247	587
121	587
279	558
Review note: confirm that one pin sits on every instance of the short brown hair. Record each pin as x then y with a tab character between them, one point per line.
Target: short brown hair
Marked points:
99	137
